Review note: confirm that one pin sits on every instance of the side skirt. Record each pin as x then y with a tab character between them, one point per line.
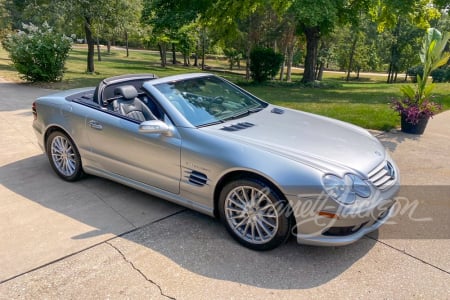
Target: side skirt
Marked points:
174	198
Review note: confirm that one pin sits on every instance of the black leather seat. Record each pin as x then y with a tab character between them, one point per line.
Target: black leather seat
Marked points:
129	104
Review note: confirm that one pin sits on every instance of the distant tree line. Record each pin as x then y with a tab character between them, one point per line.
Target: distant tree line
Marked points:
352	36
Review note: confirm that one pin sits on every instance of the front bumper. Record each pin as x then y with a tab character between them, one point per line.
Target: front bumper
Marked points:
343	235
336	229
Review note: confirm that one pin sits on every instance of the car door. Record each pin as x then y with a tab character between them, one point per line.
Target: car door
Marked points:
118	147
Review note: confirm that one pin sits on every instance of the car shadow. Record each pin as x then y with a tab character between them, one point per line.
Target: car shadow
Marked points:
195	242
392	139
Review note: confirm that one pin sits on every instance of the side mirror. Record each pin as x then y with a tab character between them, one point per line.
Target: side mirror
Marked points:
155	126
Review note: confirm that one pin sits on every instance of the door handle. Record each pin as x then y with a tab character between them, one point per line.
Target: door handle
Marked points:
96	125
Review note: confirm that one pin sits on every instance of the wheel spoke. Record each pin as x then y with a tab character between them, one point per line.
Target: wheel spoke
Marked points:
244	233
267	222
244	193
268	206
239	198
259	231
241	223
236	204
232	209
266	230
261	197
253	231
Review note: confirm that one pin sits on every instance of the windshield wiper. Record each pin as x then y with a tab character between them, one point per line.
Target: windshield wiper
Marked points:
244	113
210	123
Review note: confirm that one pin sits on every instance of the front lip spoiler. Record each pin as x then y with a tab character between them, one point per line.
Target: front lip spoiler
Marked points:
322	240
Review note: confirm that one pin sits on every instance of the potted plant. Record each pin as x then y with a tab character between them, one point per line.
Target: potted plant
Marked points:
416	105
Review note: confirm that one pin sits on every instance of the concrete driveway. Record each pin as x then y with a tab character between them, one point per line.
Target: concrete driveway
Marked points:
99	239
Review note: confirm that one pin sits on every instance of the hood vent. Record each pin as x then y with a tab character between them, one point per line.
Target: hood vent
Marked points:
238	126
196	178
277	111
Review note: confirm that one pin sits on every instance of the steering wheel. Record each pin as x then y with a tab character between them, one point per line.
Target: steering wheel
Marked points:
217	100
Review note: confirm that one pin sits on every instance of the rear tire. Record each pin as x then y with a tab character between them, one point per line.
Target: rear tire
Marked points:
253	214
64	156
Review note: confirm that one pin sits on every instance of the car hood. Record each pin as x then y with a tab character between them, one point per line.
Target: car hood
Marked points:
327	144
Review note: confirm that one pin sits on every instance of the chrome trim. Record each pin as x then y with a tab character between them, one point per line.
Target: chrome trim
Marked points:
384	176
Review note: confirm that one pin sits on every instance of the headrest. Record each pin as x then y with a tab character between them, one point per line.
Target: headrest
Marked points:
127	91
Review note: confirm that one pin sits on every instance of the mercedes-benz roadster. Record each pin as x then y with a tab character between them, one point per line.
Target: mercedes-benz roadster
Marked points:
197	140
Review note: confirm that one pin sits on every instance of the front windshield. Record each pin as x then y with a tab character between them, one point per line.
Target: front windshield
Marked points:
209	100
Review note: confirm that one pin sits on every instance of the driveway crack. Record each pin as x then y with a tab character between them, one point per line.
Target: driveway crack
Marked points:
139	271
410	255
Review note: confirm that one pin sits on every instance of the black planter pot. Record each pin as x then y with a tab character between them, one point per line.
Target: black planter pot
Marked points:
418	128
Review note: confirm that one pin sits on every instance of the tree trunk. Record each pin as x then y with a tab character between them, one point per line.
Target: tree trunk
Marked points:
203	50
108	47
320	71
99	55
394	54
197	49
91	45
290	54
284	64
162	54
312	43
289	64
352	55
174	55
389	73
247	64
126	43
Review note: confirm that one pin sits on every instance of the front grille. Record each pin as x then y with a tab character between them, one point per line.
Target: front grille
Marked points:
383	176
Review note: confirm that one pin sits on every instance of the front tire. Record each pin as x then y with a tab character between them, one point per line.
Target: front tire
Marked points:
64	156
253	213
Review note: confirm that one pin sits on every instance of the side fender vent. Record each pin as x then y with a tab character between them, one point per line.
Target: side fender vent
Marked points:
196	178
238	126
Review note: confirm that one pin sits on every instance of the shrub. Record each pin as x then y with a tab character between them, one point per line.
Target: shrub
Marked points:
39	54
264	64
441	74
414	71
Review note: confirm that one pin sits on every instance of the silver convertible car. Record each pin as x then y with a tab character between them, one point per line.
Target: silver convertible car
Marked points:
197	140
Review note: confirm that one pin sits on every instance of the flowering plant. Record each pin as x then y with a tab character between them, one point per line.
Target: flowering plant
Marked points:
38	53
415	103
415	111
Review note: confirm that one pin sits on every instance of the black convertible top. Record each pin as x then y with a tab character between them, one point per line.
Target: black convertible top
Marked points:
106	87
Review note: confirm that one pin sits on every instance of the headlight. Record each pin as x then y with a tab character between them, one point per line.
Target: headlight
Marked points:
345	190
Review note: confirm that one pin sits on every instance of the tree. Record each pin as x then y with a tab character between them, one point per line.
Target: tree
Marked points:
166	18
318	18
395	16
88	13
186	38
119	18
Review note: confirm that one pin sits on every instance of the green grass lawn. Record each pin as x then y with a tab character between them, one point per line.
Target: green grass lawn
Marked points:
364	103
